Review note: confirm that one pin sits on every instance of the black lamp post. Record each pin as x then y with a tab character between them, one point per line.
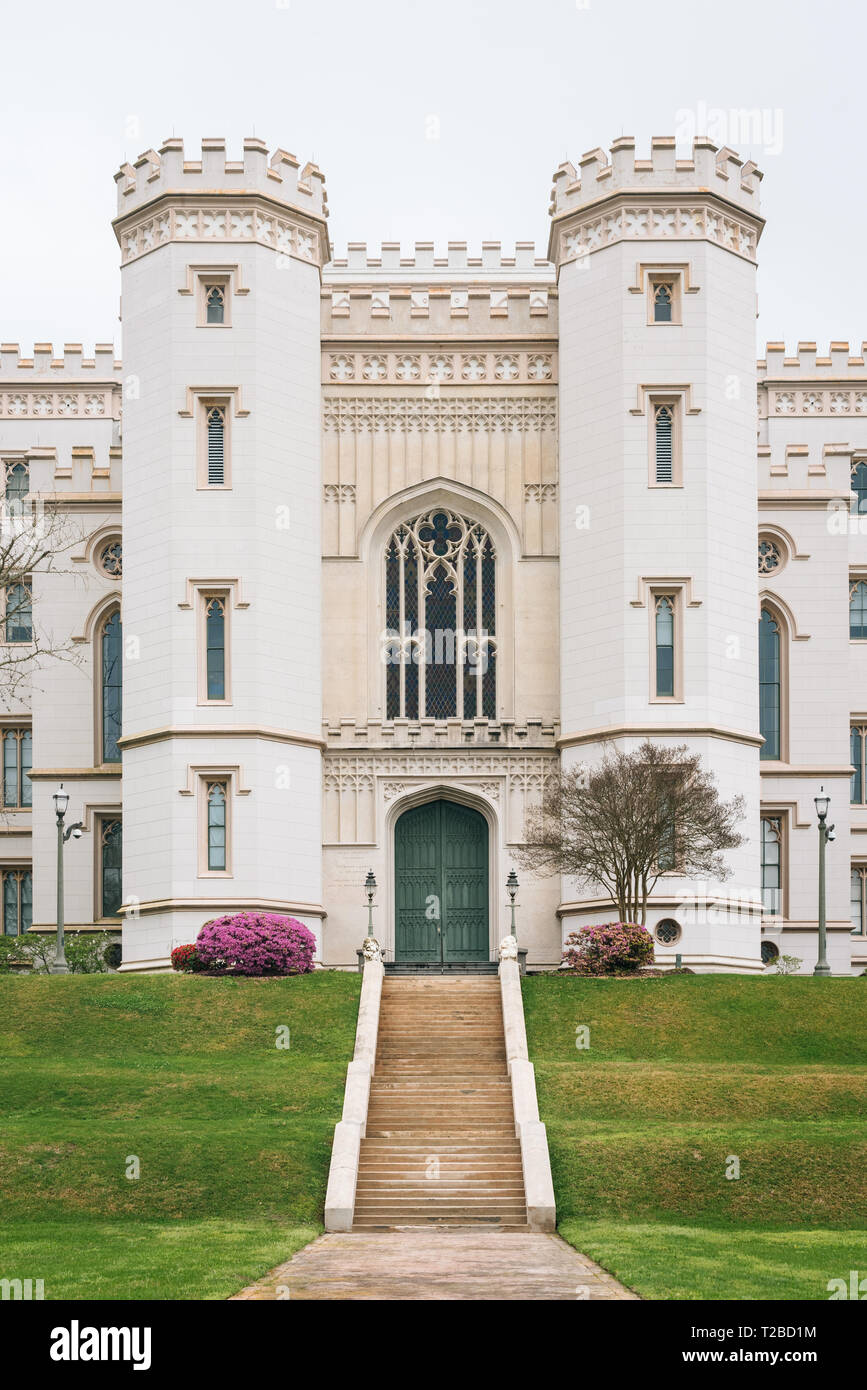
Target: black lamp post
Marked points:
61	802
826	833
370	889
512	886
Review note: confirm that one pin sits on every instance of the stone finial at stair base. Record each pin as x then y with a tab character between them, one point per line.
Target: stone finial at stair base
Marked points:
371	949
280	177
711	169
509	948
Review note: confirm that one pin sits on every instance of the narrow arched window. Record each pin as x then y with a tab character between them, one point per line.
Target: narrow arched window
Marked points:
662	303
17	482
111	672
17	901
859	486
857	749
215	647
858	611
216	806
215	303
664	634
770	685
440	644
772	865
216	446
111	867
19	613
664	426
17	762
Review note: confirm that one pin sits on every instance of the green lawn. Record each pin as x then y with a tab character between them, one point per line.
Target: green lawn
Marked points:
682	1074
232	1133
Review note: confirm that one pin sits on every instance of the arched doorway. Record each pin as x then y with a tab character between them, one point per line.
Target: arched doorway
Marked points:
441	885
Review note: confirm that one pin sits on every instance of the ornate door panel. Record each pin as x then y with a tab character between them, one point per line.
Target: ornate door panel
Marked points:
441	884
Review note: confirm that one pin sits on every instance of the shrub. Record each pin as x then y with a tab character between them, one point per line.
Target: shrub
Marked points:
85	954
255	943
185	958
788	965
614	948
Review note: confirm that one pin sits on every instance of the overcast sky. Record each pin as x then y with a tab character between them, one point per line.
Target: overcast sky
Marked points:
432	121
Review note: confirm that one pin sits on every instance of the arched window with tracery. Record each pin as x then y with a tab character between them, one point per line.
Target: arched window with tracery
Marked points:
111	686
440	648
771	692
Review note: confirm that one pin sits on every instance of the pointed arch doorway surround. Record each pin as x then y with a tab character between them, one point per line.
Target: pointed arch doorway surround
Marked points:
441	887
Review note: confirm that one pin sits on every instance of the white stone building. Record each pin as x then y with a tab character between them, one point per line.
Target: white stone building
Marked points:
555	467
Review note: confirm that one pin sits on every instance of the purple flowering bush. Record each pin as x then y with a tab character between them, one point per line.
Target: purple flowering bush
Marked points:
255	943
614	948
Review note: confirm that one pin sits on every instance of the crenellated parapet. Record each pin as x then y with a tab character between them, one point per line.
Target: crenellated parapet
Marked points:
813	384
714	196
391	262
44	385
268	199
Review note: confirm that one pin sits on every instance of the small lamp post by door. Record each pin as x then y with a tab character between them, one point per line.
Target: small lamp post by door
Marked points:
826	833
512	887
61	802
370	889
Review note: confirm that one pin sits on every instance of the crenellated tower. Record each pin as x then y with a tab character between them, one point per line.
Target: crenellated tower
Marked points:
656	268
221	264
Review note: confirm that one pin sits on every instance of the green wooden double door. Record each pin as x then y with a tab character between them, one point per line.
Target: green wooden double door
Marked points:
441	884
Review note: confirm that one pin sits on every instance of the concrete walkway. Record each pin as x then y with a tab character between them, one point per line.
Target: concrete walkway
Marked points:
447	1264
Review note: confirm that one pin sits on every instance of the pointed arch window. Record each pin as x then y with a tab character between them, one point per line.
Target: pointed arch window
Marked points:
111	866
17	901
772	865
440	643
859	487
17	762
111	686
857	750
216	446
770	685
215	304
217	798
664	641
19	612
858	611
17	482
662	302
215	646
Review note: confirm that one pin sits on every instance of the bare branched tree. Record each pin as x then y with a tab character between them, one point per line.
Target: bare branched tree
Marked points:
35	539
618	825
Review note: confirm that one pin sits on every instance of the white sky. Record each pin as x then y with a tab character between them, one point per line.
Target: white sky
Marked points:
516	87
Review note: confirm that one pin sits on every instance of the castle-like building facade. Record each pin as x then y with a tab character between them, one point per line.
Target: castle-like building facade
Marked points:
368	547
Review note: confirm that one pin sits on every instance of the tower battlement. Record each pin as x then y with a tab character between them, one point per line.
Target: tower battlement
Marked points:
711	169
423	263
278	176
43	361
808	363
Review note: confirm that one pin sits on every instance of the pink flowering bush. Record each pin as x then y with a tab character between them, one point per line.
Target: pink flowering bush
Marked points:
614	948
255	943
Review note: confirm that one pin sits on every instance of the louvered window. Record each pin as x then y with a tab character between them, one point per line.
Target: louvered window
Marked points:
664	425
216	446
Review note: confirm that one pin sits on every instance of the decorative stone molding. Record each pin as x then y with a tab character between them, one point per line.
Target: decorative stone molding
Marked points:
636	222
475	368
43	403
223	222
361	414
540	492
339	492
839	401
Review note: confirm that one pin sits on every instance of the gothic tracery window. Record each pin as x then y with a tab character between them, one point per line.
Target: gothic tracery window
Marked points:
440	646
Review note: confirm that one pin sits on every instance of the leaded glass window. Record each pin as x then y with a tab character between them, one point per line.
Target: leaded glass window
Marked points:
19	613
17	482
662	300
440	645
772	865
215	647
664	425
859	486
770	685
216	304
858	780
858	611
17	761
17	901
858	899
111	867
217	845
664	635
112	687
111	559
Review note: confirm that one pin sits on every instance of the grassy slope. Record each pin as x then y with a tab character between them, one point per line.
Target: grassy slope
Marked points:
233	1133
681	1073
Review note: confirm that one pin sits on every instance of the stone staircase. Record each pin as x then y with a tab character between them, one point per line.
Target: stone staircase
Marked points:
440	1147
